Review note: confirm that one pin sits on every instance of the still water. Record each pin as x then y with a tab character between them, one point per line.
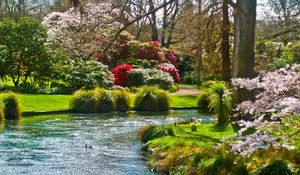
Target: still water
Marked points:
56	144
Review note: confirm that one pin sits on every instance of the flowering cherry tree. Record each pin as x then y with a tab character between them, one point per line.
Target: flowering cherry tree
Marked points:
275	109
74	32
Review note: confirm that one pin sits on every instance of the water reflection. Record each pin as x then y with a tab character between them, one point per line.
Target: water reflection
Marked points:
56	144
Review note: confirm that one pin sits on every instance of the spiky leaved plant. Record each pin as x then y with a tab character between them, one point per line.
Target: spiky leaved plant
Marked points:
220	101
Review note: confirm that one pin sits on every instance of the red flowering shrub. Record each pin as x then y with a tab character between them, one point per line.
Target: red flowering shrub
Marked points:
148	51
172	70
118	51
171	56
120	74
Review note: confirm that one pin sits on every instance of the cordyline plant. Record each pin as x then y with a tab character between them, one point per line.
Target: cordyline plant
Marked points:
273	117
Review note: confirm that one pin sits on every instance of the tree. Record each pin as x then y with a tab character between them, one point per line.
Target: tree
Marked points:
282	20
225	45
245	22
24	42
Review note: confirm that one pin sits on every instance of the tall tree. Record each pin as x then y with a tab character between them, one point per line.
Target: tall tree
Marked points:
245	22
225	46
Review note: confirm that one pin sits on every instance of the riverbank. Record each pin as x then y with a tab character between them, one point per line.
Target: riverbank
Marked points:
182	148
57	103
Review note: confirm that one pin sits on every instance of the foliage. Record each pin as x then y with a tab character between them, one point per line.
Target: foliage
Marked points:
23	41
106	101
152	99
153	77
85	74
172	70
11	106
120	74
122	100
220	101
85	101
277	167
286	57
203	101
272	112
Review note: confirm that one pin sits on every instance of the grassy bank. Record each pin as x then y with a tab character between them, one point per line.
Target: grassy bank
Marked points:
184	149
61	102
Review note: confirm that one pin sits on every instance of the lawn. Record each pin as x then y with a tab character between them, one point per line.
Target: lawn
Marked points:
61	102
44	102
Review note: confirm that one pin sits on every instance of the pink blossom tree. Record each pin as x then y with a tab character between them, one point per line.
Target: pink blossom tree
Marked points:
75	32
276	108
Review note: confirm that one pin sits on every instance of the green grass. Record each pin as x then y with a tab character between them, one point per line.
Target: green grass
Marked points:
61	102
43	102
183	101
206	135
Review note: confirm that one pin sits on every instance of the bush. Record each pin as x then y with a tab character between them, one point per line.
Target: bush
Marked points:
106	101
277	167
151	77
86	75
85	101
203	101
152	99
120	74
220	101
159	78
172	70
11	106
122	100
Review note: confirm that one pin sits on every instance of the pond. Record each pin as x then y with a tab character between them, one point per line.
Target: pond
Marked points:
56	144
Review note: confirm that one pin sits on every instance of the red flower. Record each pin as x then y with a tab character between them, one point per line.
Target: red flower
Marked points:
119	73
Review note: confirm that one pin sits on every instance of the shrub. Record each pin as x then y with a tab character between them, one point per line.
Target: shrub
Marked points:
137	77
85	101
152	77
150	51
122	100
172	70
159	78
106	101
120	74
11	106
203	101
151	99
220	101
86	74
277	167
117	52
171	56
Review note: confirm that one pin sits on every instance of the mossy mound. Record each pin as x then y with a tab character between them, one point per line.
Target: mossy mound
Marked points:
11	108
122	100
85	101
152	99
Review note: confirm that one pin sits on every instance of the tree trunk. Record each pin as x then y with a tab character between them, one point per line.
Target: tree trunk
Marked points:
154	31
245	21
226	70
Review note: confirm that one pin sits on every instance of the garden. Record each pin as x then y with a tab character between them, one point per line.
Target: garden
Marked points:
150	87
